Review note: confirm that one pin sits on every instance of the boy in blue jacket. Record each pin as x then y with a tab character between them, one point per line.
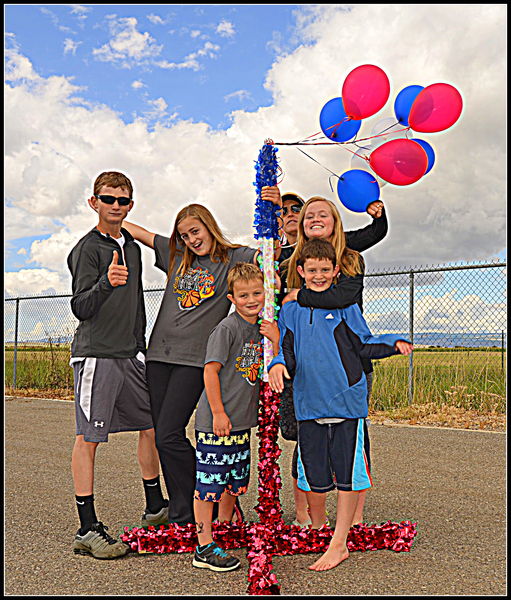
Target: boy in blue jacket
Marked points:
322	349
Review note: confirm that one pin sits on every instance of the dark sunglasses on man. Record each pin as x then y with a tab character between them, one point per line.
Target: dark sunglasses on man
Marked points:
123	201
296	208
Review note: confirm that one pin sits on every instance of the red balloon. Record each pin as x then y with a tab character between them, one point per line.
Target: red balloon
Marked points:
436	108
400	162
364	91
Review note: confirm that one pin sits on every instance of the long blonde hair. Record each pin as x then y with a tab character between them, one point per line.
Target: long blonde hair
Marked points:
350	261
219	247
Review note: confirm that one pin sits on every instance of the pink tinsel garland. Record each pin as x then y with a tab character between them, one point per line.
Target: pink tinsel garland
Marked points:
270	536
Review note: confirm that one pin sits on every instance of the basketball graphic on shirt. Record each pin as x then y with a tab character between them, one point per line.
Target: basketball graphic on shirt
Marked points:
195	286
253	372
249	363
190	299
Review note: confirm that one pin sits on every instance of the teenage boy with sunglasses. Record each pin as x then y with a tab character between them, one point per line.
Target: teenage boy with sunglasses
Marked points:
107	356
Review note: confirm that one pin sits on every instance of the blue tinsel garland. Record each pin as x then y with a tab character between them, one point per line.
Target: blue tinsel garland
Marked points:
265	219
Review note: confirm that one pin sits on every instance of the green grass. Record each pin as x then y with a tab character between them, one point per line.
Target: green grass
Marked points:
39	367
466	378
471	379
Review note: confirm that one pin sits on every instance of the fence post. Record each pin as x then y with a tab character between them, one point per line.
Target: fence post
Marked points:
15	343
502	353
410	360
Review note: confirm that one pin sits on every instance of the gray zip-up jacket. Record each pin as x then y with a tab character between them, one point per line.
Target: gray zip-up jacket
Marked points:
112	319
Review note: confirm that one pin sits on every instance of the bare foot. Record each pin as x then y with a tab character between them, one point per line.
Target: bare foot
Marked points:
330	559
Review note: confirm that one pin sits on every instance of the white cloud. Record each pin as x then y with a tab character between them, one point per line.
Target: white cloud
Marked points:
190	61
78	9
128	45
471	313
17	66
457	212
27	282
186	64
21	223
137	85
71	46
225	29
54	252
209	49
158	110
156	20
195	33
238	95
129	48
55	20
443	314
22	251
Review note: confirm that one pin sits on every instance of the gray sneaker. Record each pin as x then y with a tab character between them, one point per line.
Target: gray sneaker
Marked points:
215	558
159	518
99	544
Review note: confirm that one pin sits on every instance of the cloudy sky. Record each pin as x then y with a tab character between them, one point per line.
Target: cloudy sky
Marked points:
181	98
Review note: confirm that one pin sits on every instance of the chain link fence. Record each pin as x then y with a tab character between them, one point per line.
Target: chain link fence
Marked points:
455	315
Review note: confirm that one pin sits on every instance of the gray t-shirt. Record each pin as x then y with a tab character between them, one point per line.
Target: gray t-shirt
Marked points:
236	344
192	305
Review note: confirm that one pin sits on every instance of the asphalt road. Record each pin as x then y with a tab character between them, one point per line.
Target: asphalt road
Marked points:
451	482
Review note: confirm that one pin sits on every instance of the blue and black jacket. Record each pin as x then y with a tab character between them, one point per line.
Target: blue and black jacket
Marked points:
322	349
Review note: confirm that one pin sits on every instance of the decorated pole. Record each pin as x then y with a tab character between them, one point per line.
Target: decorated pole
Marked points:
262	580
266	232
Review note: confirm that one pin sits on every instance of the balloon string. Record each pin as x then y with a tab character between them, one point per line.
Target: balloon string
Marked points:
331	127
280	174
379	135
364	157
334	174
304	142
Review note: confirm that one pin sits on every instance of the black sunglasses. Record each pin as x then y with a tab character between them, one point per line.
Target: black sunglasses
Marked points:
123	201
296	208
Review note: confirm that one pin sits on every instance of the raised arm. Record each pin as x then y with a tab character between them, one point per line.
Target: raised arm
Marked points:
140	234
362	239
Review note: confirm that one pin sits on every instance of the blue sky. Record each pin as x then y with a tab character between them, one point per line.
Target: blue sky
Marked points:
127	56
181	98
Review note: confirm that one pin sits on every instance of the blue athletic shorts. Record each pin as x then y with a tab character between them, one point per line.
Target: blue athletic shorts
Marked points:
223	463
334	456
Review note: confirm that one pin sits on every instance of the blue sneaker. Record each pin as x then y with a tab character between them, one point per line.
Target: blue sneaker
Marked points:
214	558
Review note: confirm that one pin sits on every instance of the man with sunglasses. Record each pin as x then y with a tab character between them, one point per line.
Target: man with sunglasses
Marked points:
291	207
107	356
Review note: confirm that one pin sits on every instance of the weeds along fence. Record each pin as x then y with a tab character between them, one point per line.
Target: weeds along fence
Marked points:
455	315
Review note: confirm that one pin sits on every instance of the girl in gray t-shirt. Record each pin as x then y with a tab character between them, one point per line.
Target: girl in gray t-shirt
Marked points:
196	260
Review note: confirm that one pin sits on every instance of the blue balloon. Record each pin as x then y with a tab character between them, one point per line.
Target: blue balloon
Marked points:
334	122
429	151
357	189
404	101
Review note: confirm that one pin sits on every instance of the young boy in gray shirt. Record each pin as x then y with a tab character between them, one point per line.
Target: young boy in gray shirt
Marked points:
228	409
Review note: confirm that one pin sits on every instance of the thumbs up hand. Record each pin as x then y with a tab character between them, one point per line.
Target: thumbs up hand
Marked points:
117	274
